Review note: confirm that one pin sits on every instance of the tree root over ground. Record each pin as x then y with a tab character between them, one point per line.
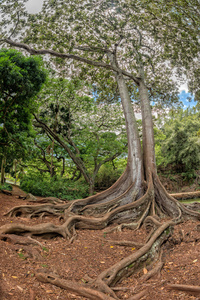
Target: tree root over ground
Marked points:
128	209
103	286
195	290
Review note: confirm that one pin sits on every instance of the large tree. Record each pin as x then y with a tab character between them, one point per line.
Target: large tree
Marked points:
121	38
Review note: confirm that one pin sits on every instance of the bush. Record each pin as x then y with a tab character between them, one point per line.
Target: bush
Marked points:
107	176
6	186
39	185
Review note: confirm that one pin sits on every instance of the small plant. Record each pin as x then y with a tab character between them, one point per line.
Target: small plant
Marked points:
21	255
45	249
44	266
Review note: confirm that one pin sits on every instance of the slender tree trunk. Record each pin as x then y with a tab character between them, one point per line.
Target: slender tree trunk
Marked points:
91	187
63	167
15	166
51	170
3	164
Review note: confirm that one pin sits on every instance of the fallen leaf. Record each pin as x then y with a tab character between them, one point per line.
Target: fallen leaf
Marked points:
14	277
145	271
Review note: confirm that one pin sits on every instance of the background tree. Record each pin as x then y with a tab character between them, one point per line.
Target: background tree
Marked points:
21	78
90	133
181	147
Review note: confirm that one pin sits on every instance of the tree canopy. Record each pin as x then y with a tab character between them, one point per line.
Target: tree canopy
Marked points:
21	78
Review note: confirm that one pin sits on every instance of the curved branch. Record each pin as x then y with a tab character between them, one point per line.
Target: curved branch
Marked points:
33	51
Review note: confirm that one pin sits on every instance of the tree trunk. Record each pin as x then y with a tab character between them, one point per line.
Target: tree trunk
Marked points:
134	146
63	167
52	167
147	130
15	166
3	164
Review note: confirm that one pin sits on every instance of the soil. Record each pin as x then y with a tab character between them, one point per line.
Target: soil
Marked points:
92	252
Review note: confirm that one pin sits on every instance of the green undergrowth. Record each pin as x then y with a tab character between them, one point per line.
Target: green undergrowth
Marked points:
6	186
59	187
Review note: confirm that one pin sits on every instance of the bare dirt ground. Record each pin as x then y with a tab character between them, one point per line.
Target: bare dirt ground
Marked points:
91	253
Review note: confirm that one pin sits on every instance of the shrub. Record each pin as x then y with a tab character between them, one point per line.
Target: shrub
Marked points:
39	185
107	176
6	186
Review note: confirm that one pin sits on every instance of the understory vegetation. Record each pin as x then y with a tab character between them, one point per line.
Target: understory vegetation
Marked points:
58	187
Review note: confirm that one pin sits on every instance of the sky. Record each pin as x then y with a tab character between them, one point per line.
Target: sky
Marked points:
34	6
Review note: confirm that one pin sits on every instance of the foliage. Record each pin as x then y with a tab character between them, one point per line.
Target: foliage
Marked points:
44	186
109	174
89	133
21	78
6	186
181	147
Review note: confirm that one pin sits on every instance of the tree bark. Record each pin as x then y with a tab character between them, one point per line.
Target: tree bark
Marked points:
3	163
134	146
147	129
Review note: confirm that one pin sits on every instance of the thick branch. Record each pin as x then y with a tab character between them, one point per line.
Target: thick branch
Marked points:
70	56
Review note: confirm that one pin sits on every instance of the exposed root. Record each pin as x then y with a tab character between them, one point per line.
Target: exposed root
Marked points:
156	270
139	295
52	200
193	206
120	227
186	288
20	240
188	195
131	263
76	288
121	207
39	229
98	209
26	247
126	243
36	210
103	286
124	209
8	193
144	215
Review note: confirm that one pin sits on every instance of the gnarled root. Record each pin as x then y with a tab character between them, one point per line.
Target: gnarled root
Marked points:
25	246
185	288
103	286
74	287
36	210
46	228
